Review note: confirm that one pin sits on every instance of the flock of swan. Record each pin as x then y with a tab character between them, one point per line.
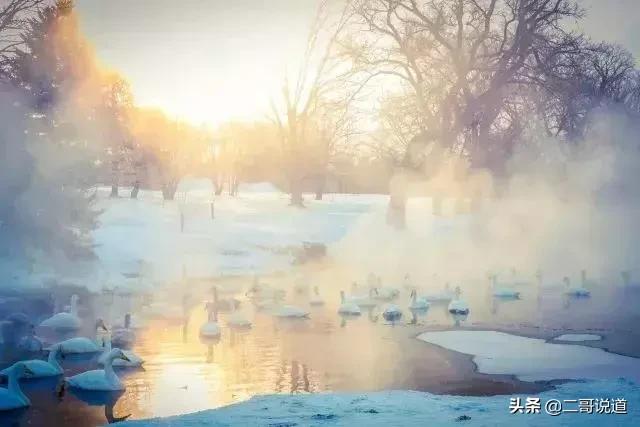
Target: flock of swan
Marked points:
262	295
68	322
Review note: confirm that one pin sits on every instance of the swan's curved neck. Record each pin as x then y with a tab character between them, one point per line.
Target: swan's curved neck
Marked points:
14	387
74	307
109	373
53	358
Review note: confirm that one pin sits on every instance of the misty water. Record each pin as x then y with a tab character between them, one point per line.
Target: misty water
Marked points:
184	373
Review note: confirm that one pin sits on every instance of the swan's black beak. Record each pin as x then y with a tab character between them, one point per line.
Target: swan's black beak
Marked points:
28	372
125	358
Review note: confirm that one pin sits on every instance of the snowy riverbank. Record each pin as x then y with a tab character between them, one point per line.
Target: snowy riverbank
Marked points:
407	408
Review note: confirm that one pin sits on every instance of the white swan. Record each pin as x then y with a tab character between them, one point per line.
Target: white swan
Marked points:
237	319
211	328
100	379
445	296
418	303
500	291
384	293
65	321
366	301
12	397
290	311
575	291
348	307
316	299
457	305
133	360
392	313
79	345
123	336
42	368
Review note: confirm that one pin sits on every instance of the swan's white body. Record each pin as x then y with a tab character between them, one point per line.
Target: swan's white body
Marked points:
418	303
123	337
575	291
457	305
100	379
290	311
12	397
361	301
391	313
237	319
210	330
42	368
65	321
348	307
385	294
445	296
501	291
134	361
316	299
79	345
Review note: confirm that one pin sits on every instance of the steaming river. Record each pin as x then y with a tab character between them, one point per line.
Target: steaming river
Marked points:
326	352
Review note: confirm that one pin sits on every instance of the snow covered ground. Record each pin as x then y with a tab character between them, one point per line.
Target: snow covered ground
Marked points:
408	408
252	232
532	359
578	337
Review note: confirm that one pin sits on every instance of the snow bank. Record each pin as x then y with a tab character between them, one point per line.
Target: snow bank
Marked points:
251	232
532	359
258	187
578	337
405	408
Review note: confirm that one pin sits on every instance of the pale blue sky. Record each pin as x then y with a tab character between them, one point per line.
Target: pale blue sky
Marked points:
213	60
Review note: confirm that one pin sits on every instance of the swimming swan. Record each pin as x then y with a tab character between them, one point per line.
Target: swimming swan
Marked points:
500	291
12	397
418	303
348	307
575	291
445	296
42	368
211	328
65	321
290	311
457	305
100	379
316	299
392	313
132	361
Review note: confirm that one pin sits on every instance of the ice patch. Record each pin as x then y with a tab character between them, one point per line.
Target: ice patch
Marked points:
578	337
532	359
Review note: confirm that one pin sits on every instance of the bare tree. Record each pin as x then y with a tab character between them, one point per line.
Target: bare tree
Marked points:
460	58
14	21
321	78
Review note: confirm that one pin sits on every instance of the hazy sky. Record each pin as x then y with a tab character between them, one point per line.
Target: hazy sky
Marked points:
212	60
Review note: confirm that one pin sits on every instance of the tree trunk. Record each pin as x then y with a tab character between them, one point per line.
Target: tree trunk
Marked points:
169	190
396	211
320	187
296	194
115	165
135	190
